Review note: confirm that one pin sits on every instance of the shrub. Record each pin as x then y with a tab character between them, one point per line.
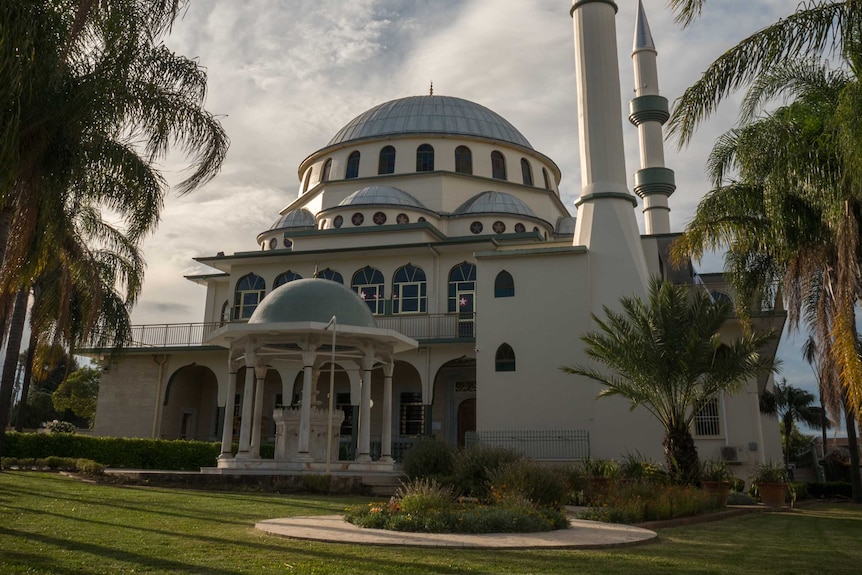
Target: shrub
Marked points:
474	465
576	483
636	503
316	483
429	458
8	462
830	489
527	480
739	498
89	467
60	427
737	484
634	467
606	468
424	496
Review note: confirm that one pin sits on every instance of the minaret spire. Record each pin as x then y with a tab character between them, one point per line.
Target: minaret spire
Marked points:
606	222
654	183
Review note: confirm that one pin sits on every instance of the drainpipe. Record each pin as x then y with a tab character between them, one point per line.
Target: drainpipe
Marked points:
160	360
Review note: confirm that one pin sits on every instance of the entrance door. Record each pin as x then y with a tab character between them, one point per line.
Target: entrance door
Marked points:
466	312
466	418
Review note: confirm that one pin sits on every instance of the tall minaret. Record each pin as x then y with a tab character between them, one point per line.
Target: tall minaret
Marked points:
649	111
606	222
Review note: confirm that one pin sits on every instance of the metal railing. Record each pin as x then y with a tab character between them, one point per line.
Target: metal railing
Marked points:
422	327
554	445
399	448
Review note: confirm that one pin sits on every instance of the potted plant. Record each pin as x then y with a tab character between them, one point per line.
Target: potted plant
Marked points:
715	478
770	479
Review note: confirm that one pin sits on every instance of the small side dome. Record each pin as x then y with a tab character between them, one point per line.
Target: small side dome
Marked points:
566	226
496	203
381	195
300	218
315	300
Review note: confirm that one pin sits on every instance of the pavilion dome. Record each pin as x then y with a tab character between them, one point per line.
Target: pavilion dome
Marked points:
495	203
381	195
313	300
430	115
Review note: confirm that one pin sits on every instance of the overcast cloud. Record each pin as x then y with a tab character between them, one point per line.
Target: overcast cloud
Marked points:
287	74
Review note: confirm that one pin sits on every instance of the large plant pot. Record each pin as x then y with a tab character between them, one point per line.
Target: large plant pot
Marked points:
772	494
718	489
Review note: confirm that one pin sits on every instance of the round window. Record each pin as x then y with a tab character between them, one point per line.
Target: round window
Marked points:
288	243
338	221
519	228
421	219
273	243
499	227
476	227
357	219
379	218
536	229
402	219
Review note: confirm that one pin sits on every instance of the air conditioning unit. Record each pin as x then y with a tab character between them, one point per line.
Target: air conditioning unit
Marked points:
733	454
728	453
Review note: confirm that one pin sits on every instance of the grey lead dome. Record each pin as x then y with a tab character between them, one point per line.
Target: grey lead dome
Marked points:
430	115
495	203
314	300
381	195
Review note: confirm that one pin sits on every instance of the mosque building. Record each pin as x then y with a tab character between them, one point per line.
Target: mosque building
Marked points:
428	280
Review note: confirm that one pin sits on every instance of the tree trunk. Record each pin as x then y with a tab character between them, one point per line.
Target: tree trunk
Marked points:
853	444
13	348
681	456
823	422
28	375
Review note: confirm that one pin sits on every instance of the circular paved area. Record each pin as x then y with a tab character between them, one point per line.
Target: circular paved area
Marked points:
581	535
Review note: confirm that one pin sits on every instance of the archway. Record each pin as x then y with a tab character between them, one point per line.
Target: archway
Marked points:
190	405
454	386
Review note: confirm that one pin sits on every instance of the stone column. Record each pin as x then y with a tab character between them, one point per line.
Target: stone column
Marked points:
247	398
364	447
260	376
227	431
308	358
386	435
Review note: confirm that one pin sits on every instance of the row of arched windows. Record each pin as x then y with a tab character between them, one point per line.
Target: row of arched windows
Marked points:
409	289
425	163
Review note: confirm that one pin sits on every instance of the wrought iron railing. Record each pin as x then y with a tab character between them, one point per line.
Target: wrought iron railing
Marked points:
554	445
422	327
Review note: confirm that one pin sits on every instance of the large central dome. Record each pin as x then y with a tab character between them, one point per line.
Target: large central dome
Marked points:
430	115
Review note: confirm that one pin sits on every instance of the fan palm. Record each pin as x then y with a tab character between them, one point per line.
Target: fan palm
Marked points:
791	405
667	356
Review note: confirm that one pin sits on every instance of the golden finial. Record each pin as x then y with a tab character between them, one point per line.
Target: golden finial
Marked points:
432	88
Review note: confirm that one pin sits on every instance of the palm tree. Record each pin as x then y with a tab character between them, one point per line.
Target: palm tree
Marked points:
828	390
667	357
792	216
791	405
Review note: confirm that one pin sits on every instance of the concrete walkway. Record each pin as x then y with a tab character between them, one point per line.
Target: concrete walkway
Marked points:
581	535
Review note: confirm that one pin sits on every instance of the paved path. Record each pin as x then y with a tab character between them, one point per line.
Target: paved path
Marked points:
581	535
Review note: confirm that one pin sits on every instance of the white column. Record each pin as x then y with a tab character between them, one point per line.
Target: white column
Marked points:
308	358
227	431
364	447
260	373
245	420
386	435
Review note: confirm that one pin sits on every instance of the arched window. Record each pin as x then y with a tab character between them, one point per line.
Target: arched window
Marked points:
504	360
409	290
526	172
386	165
504	285
463	160
329	274
225	313
462	296
327	167
368	283
352	166
498	166
425	158
307	180
284	278
250	289
547	179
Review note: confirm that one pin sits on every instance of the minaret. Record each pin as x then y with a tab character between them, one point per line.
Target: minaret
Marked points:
606	222
649	111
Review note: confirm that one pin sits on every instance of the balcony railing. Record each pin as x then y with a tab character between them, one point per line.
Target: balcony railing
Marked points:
422	327
554	445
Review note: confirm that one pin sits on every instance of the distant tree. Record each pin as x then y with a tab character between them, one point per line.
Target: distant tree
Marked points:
79	394
667	356
791	405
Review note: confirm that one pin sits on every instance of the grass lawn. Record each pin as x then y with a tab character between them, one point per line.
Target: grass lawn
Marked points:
53	524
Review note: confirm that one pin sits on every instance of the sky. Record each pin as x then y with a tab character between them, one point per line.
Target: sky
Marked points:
286	75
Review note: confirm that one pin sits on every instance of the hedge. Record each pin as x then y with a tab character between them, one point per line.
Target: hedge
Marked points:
830	489
116	451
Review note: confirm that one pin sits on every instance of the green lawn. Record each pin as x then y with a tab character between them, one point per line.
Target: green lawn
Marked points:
52	524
